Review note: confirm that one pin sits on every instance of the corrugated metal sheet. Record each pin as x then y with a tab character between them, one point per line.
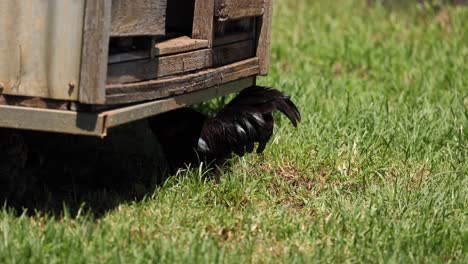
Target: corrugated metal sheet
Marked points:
40	47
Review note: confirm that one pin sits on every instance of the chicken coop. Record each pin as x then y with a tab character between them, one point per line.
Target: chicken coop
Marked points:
81	66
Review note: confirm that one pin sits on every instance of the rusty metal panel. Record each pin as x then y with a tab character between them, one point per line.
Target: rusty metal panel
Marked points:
40	47
59	121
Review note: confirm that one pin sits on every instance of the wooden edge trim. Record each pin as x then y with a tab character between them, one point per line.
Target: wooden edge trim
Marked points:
140	70
226	10
143	110
264	39
97	123
179	45
94	53
149	90
144	70
203	20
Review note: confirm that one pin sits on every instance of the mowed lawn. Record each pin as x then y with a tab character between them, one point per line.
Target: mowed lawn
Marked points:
376	172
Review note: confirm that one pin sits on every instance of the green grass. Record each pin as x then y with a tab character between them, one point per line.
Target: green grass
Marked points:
375	173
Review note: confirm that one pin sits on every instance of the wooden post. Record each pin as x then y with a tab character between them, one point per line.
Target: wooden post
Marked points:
263	50
203	20
97	24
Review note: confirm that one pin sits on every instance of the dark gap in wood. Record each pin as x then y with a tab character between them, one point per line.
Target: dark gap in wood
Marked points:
123	49
179	17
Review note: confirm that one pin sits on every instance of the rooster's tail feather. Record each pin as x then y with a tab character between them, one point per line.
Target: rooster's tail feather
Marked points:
246	120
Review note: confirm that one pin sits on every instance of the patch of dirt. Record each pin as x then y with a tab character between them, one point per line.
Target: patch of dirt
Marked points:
444	20
292	181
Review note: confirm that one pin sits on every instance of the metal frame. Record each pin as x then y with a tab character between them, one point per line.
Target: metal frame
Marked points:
98	123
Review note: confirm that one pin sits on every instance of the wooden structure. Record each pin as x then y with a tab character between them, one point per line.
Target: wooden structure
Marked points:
75	63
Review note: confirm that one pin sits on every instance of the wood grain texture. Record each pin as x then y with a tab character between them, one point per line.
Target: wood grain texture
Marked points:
141	70
123	115
34	102
161	88
179	45
95	52
203	20
234	52
236	9
128	56
232	38
138	17
264	39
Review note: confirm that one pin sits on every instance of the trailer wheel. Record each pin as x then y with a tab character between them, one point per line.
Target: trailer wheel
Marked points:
13	158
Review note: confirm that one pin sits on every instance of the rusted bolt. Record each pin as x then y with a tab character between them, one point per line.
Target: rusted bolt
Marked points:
71	88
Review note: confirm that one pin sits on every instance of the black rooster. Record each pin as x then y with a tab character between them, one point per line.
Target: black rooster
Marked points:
188	136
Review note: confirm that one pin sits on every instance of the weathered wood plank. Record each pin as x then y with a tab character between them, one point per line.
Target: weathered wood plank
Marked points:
139	111
179	45
235	9
232	38
263	49
138	17
98	123
141	70
149	90
203	20
128	56
95	52
230	53
35	102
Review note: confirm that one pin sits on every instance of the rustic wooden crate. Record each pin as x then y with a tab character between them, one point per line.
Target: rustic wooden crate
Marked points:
235	9
138	17
55	54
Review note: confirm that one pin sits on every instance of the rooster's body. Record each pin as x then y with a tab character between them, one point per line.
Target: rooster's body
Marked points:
188	136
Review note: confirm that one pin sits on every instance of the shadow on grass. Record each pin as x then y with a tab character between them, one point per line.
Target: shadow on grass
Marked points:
48	173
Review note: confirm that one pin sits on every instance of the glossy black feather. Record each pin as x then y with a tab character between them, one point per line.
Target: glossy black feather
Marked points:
188	136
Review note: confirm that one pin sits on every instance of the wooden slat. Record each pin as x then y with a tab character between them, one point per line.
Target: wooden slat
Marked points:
138	17
142	91
35	102
203	20
233	52
235	9
128	56
263	49
131	113
179	45
232	38
95	52
142	70
98	123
